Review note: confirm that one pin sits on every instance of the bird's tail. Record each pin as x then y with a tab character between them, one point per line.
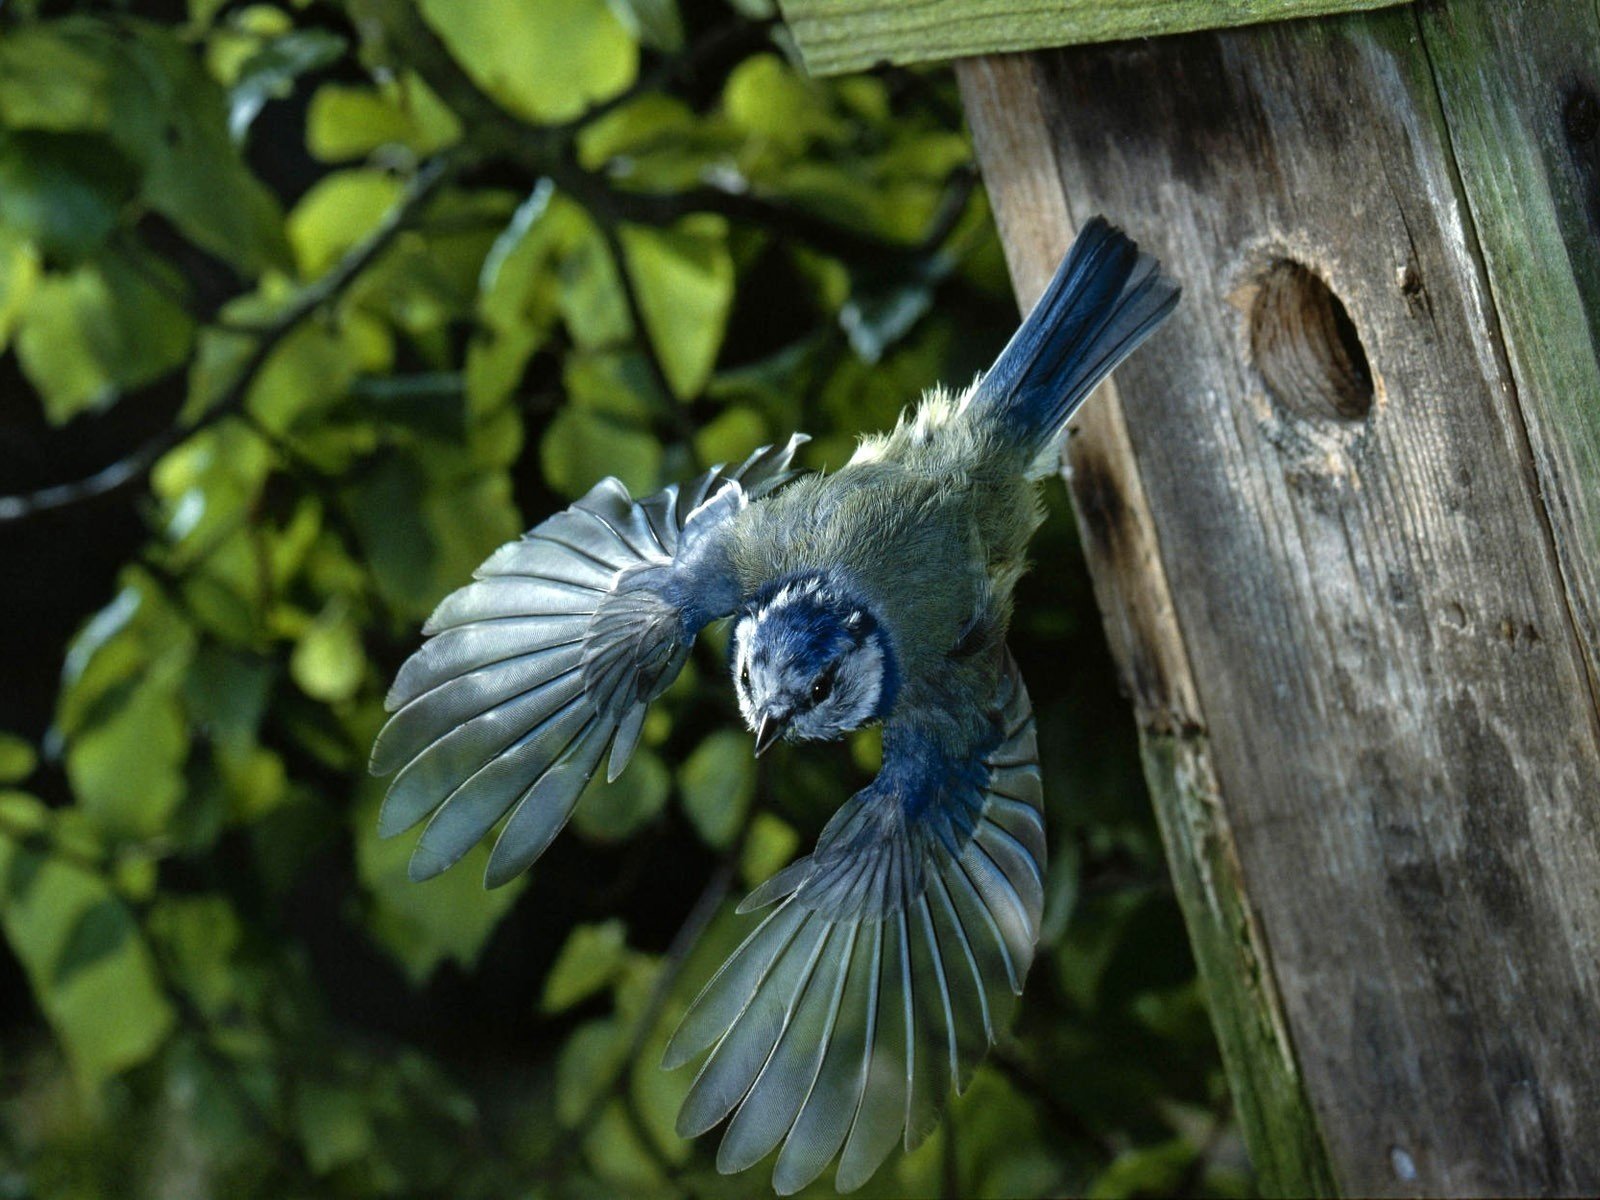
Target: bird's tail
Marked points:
1105	299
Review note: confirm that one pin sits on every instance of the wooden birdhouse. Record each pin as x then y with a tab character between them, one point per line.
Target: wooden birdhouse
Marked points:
1343	515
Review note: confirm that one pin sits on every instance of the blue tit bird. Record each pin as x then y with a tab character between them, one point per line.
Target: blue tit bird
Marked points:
890	958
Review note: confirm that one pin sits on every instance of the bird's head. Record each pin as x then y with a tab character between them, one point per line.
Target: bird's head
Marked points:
810	663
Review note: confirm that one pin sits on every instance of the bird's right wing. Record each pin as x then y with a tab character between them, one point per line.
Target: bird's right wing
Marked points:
548	659
888	967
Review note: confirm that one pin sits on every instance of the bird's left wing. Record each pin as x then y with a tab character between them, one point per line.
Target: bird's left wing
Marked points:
887	968
550	656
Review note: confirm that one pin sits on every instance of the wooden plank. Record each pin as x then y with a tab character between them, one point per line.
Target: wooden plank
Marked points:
1392	749
853	35
1519	85
1003	105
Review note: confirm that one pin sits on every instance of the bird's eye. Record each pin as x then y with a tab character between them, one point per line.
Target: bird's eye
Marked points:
744	676
822	688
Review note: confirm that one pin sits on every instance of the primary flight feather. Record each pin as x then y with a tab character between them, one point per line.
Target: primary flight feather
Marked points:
892	956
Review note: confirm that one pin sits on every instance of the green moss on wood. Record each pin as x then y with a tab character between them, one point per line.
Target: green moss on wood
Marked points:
1268	1094
1524	119
849	35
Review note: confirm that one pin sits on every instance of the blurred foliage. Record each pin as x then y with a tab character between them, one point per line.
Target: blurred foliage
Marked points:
396	280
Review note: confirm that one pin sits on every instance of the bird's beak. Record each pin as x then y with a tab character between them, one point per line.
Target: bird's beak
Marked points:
768	731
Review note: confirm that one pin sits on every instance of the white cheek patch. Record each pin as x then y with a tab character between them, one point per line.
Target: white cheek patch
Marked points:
743	632
862	672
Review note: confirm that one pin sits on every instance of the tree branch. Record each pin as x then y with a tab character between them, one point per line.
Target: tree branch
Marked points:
137	463
546	150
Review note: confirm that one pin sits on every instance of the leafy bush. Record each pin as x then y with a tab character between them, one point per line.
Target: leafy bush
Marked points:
378	284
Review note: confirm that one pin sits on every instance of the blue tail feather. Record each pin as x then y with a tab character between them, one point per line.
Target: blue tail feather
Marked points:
1105	299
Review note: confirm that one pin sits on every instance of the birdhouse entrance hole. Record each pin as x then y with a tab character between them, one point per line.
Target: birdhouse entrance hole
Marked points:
1306	346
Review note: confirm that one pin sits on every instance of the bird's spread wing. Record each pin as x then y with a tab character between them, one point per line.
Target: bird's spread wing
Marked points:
549	657
889	965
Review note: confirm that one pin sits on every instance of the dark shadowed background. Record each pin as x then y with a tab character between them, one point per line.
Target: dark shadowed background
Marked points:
312	305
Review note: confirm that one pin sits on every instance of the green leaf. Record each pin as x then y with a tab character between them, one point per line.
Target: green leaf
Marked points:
581	448
654	23
107	1007
616	1153
519	294
422	924
684	277
194	174
91	333
17	758
717	784
309	369
56	76
127	770
103	655
771	847
730	437
592	301
588	962
345	122
328	662
338	212
270	73
333	1124
658	1095
226	693
1145	1171
198	937
97	933
768	99
547	60
613	384
647	124
608	812
590	1059
19	274
65	192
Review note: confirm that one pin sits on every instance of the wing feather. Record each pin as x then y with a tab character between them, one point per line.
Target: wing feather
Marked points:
738	1057
830	1106
728	994
881	1117
905	938
548	659
769	1109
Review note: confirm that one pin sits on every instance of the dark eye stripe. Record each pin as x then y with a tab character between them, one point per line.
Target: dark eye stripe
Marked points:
823	687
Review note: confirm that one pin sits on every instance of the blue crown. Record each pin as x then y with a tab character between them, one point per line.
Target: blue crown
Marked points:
811	619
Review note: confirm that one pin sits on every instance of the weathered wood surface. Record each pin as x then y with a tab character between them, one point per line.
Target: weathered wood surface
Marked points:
851	35
1007	113
1359	646
1520	85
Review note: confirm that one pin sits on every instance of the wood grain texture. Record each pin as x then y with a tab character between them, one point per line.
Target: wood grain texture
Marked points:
1375	619
1520	85
852	35
1007	113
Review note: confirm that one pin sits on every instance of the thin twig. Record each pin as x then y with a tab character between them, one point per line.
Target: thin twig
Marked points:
137	463
958	189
